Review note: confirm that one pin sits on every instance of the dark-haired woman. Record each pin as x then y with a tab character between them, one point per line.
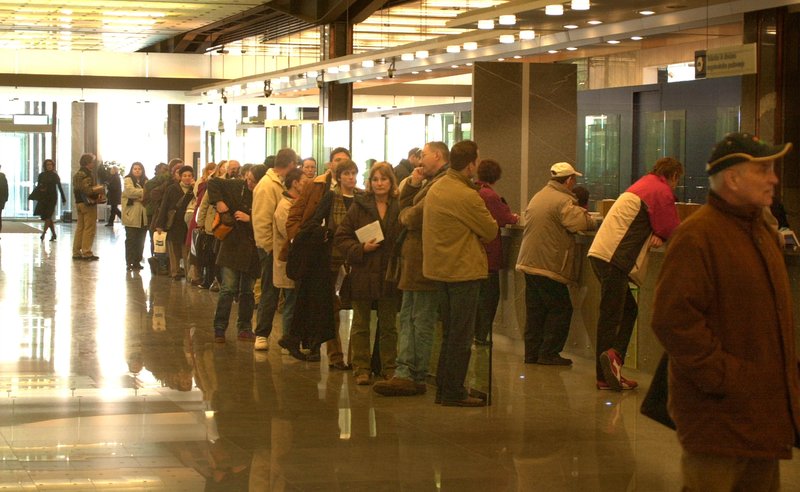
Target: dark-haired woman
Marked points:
49	185
134	216
170	218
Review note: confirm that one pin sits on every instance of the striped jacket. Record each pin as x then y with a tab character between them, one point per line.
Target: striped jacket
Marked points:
644	209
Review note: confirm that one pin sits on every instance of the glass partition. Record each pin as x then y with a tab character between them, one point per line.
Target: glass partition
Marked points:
664	135
601	154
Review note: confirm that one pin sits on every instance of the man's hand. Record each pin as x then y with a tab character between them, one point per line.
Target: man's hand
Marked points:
371	246
417	176
655	241
241	216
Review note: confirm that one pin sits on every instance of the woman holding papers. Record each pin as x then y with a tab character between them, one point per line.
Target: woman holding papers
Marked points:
366	238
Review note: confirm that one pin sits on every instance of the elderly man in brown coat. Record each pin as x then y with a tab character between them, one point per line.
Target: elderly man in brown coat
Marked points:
723	311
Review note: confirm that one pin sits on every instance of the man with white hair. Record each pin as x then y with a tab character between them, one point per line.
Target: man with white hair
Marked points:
546	257
723	311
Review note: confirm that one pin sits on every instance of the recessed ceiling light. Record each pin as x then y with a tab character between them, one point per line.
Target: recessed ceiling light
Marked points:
646	12
636	38
554	9
422	54
470	45
501	59
594	22
486	24
507	20
517	57
415	73
429	70
527	34
579	5
571	48
507	38
368	63
468	64
552	51
454	48
570	26
407	56
379	77
453	66
613	41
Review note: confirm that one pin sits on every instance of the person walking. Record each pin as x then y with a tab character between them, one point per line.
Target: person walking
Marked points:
48	186
114	194
723	311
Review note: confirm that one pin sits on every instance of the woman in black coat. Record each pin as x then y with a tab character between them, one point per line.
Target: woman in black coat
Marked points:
170	219
367	261
48	185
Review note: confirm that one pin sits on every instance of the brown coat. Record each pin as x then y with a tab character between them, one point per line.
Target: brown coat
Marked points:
412	201
723	311
368	270
303	209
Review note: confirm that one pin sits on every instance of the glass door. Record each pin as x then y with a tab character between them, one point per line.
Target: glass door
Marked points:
23	153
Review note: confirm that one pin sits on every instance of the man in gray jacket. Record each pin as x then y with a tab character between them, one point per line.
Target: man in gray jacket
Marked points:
546	257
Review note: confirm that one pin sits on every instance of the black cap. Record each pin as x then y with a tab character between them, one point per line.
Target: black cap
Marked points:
736	148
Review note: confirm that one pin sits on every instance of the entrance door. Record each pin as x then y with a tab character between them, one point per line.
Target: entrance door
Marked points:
23	153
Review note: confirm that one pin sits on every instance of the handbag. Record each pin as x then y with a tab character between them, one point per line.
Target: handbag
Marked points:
654	404
223	224
37	194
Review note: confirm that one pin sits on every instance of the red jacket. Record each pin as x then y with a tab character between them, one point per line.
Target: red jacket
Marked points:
501	212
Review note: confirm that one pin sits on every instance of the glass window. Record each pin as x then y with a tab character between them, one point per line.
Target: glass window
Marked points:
601	166
665	135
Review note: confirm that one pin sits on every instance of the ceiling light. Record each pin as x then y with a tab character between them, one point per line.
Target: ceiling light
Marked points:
333	70
501	59
407	56
470	45
507	20
429	70
636	38
379	77
415	73
517	57
368	63
613	41
507	38
579	5
552	51
486	24
594	22
469	64
454	48
422	54
570	26
554	9
344	68
571	48
453	66
527	34
646	12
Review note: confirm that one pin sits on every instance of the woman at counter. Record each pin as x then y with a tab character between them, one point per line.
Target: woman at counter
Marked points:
489	173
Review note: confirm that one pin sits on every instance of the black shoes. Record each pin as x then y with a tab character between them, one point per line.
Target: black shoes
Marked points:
554	360
293	348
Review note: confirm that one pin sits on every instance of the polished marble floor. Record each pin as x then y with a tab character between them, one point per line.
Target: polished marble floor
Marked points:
111	380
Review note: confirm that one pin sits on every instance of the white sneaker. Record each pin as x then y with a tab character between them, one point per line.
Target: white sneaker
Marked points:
262	343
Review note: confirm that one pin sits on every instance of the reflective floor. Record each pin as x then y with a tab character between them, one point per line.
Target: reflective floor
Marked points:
111	380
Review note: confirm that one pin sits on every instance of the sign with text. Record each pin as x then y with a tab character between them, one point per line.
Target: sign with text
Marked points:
730	61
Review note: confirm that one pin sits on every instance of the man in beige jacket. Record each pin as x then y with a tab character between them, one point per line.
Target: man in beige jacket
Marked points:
546	257
455	221
266	196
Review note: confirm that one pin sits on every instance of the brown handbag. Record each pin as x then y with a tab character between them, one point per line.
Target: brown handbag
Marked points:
223	224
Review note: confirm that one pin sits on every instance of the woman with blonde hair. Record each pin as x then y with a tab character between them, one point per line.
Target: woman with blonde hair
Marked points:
367	262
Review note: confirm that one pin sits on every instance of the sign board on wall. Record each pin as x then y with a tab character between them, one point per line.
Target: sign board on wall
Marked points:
726	62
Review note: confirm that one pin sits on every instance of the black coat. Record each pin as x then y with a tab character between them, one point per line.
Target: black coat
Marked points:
368	270
49	185
238	250
174	199
114	190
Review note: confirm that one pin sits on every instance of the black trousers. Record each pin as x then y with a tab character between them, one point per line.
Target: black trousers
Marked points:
487	306
549	313
618	310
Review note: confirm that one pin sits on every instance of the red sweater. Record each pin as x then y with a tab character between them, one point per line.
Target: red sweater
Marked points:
501	212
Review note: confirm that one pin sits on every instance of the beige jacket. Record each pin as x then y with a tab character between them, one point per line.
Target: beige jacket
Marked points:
133	215
279	238
455	221
266	195
205	214
548	244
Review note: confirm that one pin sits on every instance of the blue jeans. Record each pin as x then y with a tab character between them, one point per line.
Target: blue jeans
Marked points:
234	282
289	298
268	303
459	306
418	315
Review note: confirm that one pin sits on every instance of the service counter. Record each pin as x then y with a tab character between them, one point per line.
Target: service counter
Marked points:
644	351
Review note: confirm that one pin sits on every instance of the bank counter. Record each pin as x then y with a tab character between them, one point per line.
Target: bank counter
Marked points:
644	351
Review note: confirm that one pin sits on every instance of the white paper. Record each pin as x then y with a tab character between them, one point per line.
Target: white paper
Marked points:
369	232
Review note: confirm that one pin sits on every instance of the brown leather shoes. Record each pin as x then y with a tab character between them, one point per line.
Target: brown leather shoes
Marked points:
466	402
397	387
